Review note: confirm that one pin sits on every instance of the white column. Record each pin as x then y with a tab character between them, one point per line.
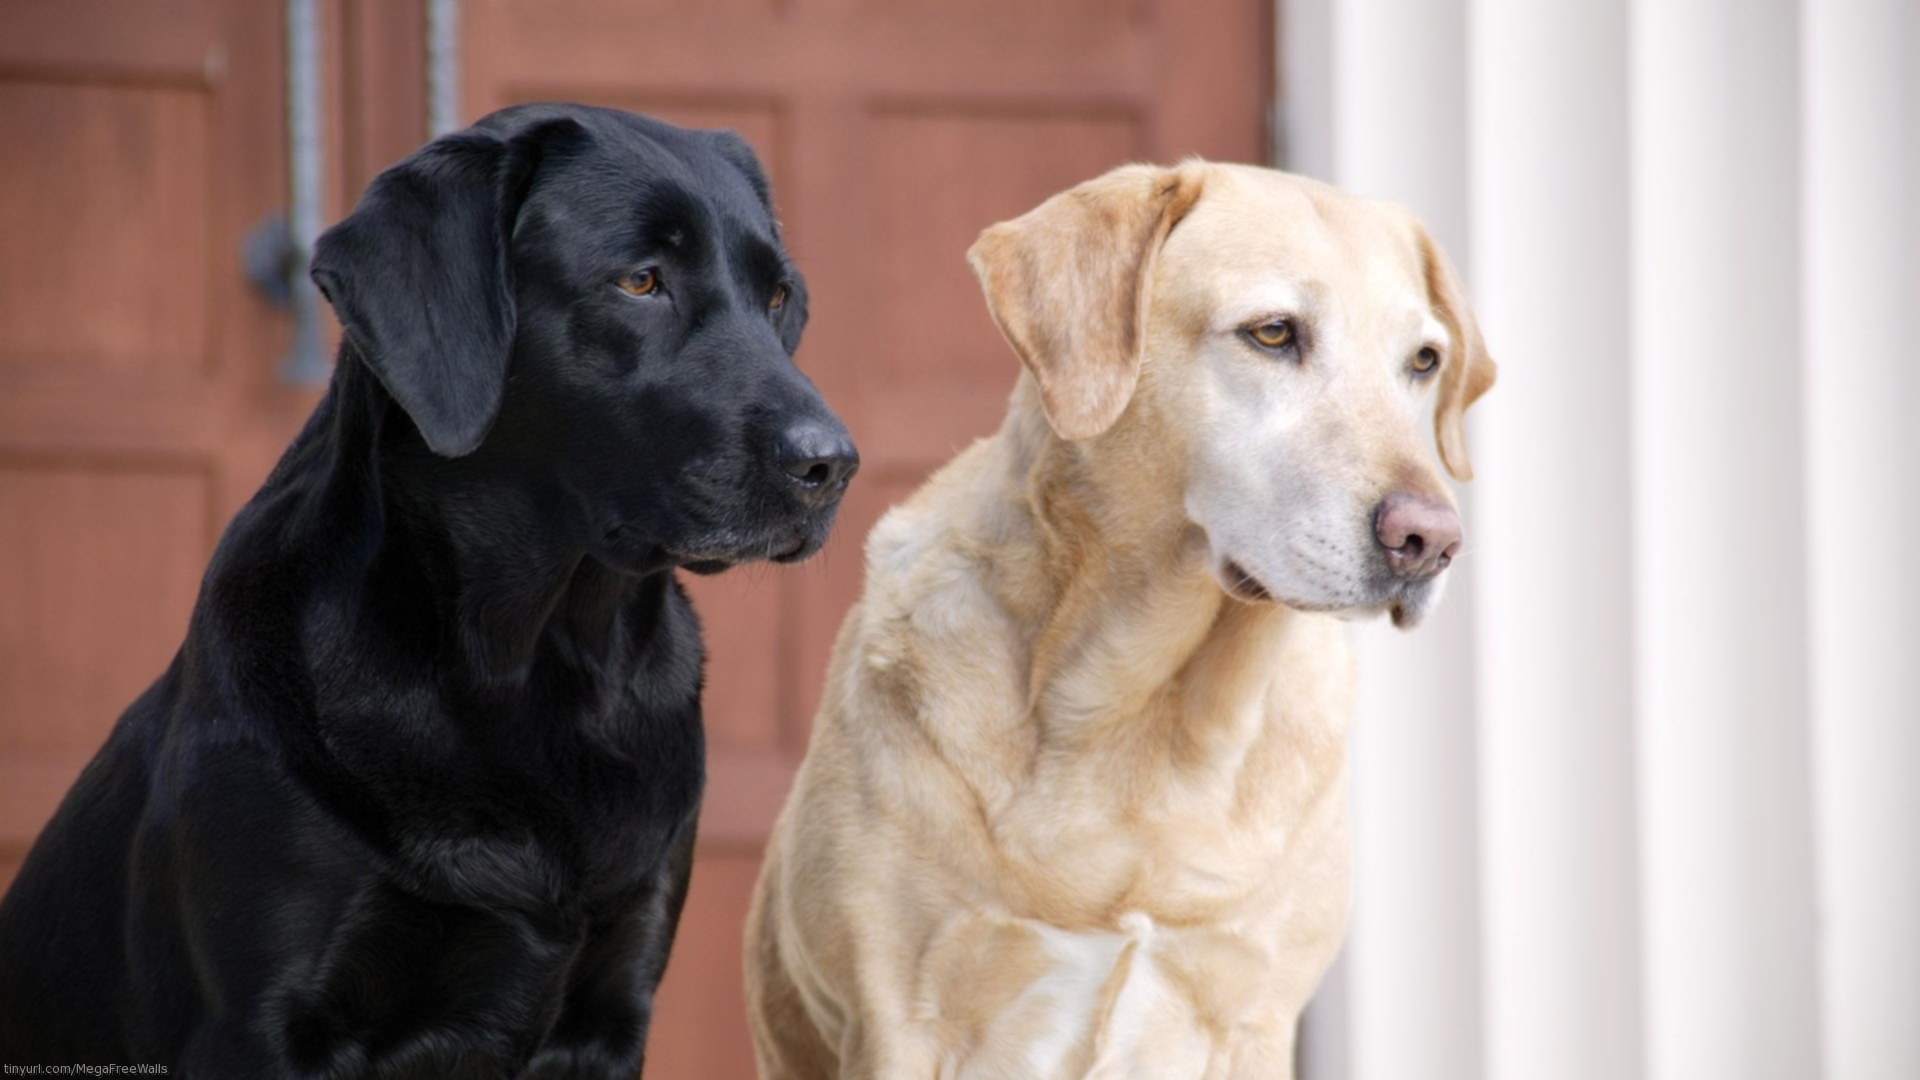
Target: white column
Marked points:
1549	229
1860	122
1303	63
1399	103
1719	607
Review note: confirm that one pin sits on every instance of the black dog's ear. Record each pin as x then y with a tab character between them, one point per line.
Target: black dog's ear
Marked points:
421	276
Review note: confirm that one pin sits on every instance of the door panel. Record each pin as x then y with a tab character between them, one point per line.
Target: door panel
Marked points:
895	130
939	370
115	202
81	540
135	366
700	1025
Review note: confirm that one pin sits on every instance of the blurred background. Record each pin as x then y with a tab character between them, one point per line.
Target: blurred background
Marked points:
1643	800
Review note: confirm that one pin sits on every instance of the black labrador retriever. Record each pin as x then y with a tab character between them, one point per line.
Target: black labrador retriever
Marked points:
417	796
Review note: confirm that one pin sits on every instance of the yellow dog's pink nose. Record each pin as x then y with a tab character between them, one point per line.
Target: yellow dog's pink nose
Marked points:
1420	535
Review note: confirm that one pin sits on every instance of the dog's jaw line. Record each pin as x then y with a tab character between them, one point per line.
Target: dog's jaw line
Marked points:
1243	586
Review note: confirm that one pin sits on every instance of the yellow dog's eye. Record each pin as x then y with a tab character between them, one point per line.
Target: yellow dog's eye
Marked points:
1277	334
779	299
640	282
1425	361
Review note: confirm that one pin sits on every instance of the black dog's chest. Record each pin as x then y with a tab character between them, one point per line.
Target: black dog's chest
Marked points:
554	795
472	993
514	921
565	843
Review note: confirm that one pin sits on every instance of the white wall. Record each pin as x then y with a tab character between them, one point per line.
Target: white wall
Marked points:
1645	801
1860	290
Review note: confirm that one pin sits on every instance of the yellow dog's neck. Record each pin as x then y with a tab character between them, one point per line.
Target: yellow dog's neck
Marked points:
1110	585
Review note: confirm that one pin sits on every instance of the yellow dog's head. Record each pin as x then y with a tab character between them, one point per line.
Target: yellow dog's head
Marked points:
1274	346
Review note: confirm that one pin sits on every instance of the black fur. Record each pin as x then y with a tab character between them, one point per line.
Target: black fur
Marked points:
417	796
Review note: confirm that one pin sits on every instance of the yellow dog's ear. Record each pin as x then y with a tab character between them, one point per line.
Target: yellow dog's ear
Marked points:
1067	284
1470	371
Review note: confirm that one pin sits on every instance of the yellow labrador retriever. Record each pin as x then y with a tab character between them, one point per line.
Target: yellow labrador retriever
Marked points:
1076	800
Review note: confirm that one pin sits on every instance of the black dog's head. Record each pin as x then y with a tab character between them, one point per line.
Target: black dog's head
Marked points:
598	304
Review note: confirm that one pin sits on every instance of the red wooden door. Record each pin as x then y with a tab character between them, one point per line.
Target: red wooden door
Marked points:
138	404
140	401
894	131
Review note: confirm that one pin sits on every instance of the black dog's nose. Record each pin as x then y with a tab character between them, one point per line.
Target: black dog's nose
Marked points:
820	457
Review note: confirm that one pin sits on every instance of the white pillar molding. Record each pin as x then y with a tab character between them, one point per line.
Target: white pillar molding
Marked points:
1673	730
1303	62
1860	229
1549	228
1726	851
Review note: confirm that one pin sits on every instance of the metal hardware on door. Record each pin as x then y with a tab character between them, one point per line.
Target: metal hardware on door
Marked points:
279	249
443	67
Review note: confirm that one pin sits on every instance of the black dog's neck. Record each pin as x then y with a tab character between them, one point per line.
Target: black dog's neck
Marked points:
507	571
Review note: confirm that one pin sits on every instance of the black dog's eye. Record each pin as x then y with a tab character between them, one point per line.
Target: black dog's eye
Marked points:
639	283
1425	361
779	299
1273	336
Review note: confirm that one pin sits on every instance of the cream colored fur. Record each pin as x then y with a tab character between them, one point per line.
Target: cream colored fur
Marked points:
1070	809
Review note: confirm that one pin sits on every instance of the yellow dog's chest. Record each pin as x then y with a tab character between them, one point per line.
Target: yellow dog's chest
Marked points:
1073	847
1006	997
